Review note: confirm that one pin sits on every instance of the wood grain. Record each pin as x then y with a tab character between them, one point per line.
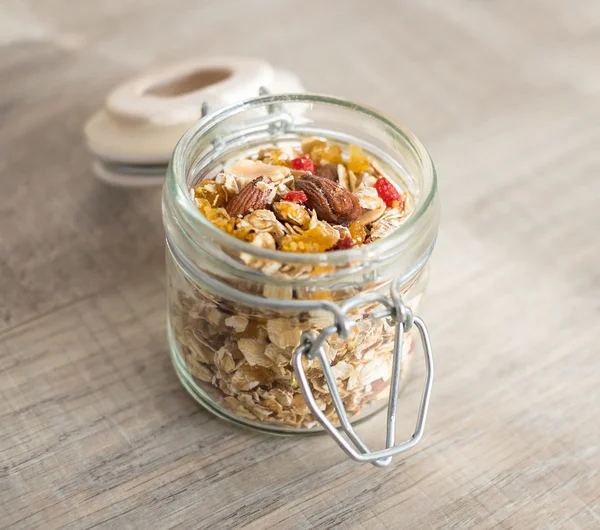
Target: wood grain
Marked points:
95	431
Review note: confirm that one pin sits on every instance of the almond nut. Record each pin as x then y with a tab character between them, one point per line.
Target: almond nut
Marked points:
253	196
328	171
331	202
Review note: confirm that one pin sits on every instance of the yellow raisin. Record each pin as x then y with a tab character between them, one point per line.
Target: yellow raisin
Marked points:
313	145
323	153
217	216
332	154
358	232
325	238
357	161
274	157
209	190
297	243
243	233
318	270
316	239
266	153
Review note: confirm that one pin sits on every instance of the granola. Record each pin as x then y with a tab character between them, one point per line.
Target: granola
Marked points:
243	360
311	199
309	191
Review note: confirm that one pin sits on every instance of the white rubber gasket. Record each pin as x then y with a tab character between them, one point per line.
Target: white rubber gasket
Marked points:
125	180
145	117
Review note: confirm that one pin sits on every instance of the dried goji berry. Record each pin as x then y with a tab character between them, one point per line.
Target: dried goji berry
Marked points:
344	243
387	191
295	196
303	163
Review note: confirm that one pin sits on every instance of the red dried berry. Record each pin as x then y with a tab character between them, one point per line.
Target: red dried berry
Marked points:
303	163
387	191
344	243
295	196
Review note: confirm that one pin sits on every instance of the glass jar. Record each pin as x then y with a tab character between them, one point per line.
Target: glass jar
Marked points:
244	322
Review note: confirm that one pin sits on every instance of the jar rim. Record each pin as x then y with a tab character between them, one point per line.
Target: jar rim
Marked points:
176	181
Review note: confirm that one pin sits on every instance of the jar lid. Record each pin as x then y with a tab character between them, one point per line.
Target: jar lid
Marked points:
132	137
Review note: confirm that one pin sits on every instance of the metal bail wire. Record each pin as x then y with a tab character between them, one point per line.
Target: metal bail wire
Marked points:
311	346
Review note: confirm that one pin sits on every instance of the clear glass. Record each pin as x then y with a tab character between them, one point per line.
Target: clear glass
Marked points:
234	357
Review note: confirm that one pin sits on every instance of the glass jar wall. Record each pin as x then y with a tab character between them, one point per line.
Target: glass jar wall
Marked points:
237	312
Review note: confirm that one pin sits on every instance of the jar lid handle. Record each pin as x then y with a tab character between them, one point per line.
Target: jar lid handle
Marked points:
311	347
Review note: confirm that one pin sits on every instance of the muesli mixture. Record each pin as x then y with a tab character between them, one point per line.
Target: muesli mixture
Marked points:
315	200
312	199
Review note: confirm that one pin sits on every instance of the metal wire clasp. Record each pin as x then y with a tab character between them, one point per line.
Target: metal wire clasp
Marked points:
311	346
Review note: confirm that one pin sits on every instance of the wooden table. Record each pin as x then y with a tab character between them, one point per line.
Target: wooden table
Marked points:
95	430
